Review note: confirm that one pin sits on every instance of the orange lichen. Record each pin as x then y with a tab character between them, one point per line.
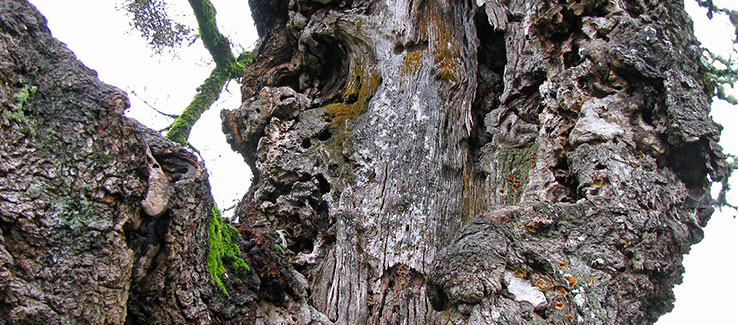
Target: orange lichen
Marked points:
544	283
561	290
563	264
569	317
572	280
641	154
597	181
533	225
410	63
520	273
559	305
532	160
591	281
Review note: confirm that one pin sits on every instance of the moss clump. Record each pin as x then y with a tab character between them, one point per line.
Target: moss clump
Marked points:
279	248
17	113
221	238
77	214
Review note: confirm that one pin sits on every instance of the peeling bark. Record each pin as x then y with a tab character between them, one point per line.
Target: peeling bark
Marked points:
479	162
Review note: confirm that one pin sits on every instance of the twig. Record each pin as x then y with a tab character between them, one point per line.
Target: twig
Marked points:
195	150
133	92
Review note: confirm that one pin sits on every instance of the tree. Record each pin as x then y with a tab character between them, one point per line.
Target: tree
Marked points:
504	161
151	19
431	162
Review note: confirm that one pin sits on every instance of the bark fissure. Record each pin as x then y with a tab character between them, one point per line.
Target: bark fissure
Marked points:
525	122
469	163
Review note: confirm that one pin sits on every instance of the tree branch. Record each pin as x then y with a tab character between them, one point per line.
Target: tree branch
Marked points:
227	67
206	95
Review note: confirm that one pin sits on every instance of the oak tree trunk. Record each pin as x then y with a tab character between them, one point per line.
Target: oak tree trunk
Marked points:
416	162
102	221
433	162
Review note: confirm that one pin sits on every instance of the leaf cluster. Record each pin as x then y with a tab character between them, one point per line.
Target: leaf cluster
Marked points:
723	71
150	18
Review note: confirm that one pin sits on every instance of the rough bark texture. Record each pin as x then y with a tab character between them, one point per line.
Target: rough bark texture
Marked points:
416	162
433	162
103	221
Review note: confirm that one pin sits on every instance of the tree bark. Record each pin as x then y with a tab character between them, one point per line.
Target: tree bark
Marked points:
416	162
103	221
433	162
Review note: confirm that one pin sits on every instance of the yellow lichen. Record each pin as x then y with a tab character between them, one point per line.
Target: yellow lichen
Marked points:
559	305
572	280
411	63
359	90
561	290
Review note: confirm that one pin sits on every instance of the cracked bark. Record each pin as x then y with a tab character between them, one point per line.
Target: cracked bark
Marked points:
419	162
102	220
518	161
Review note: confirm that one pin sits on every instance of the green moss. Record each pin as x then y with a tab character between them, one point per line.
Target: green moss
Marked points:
517	163
74	213
20	98
279	248
221	239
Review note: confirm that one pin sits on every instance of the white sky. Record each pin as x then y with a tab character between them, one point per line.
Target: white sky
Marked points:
103	40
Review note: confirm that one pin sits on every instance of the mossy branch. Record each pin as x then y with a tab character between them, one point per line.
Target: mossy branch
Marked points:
216	43
227	67
722	199
206	95
723	71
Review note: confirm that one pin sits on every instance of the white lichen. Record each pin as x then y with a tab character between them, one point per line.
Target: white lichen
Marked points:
524	291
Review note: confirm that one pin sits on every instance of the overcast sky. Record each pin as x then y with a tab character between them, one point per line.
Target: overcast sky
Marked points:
103	40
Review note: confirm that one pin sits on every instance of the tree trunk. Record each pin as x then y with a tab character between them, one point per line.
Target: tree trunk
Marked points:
416	162
433	162
102	221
